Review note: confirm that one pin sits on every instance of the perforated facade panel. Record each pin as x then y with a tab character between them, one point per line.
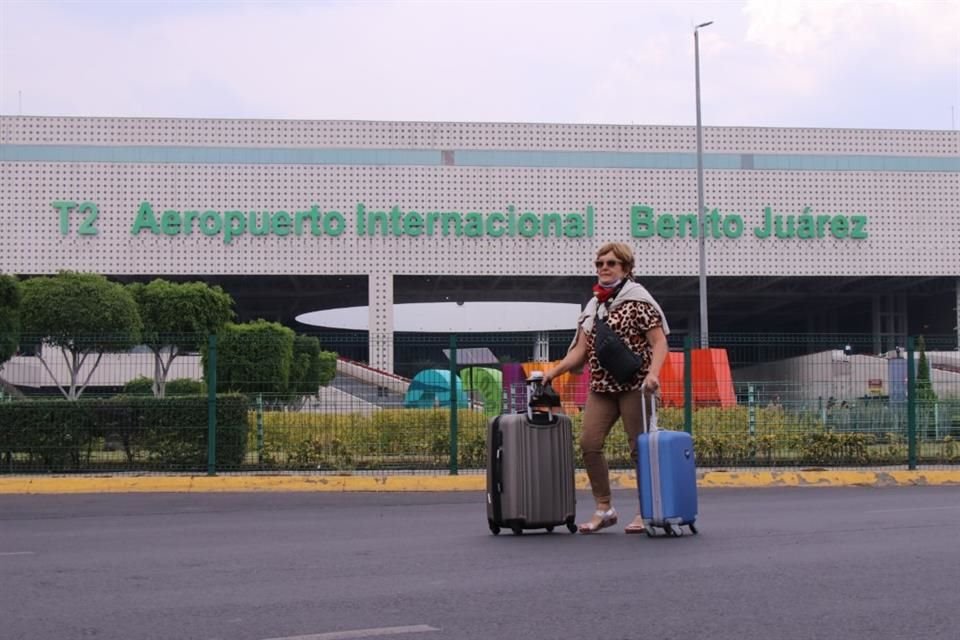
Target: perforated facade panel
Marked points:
898	193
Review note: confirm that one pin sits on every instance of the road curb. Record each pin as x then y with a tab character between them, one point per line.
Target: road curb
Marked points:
26	485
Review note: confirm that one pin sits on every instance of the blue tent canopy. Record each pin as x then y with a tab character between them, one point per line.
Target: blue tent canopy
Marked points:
431	388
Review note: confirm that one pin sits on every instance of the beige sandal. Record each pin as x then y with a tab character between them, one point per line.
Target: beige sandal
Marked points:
601	520
636	526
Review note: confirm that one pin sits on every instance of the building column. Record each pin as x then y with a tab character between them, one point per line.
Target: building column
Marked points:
380	323
541	347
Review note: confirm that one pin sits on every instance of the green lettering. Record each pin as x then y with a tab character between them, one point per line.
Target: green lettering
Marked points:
822	223
211	223
189	218
495	232
432	222
170	222
378	218
88	226
300	217
713	219
782	231
806	228
641	221
145	218
361	219
573	225
666	226
688	225
64	207
315	221
280	223
261	227
395	215
474	225
764	230
733	225
838	226
235	224
454	217
529	224
552	220
413	224
859	227
334	223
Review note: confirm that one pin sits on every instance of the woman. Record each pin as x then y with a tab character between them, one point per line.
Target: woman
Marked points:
639	321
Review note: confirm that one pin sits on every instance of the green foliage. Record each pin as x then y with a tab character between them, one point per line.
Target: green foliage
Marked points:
82	312
310	368
386	439
143	386
925	393
139	386
254	357
180	314
171	433
177	318
327	362
185	387
10	298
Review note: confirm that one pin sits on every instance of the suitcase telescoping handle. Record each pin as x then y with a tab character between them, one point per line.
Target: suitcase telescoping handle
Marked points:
535	390
651	424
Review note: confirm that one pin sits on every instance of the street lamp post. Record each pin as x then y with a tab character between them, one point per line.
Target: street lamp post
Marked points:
701	208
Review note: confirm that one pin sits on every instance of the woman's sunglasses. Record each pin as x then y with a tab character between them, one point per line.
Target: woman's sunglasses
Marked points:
610	264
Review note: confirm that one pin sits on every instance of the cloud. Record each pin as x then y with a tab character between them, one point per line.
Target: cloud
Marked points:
763	63
805	29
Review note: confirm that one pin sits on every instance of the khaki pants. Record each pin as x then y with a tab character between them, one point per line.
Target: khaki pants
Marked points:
599	415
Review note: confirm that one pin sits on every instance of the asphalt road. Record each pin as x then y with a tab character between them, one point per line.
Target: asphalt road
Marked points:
803	563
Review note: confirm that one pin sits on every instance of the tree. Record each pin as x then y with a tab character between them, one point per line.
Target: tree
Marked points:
926	396
310	367
177	318
10	298
254	357
82	314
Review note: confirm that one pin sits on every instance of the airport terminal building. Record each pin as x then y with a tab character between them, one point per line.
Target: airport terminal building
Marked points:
809	230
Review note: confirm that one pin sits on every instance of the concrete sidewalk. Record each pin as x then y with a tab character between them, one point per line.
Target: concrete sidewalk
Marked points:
472	481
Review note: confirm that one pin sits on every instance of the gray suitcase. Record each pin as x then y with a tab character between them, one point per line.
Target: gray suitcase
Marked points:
530	482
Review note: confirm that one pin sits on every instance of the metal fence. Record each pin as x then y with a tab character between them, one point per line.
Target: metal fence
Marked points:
804	401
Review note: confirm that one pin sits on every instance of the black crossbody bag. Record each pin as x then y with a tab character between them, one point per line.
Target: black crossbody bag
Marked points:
614	356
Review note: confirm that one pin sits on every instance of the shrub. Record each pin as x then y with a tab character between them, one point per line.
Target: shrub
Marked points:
60	435
143	386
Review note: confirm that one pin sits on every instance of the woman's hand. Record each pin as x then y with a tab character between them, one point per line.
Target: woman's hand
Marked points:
651	383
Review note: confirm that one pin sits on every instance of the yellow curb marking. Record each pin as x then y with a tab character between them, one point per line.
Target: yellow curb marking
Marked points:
473	482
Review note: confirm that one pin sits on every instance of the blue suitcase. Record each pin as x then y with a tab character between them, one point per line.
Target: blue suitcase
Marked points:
666	478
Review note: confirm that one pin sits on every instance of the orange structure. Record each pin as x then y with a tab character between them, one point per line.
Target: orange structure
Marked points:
712	381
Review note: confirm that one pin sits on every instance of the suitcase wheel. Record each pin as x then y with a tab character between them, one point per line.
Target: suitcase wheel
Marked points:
571	527
494	529
517	531
673	530
693	529
549	529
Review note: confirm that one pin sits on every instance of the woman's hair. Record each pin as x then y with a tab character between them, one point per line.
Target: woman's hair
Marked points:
623	253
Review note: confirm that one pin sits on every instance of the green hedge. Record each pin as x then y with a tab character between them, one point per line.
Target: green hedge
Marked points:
420	439
59	435
143	386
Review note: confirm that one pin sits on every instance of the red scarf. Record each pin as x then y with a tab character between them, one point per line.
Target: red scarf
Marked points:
604	293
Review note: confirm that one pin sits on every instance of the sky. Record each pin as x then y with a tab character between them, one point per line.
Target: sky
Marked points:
789	63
